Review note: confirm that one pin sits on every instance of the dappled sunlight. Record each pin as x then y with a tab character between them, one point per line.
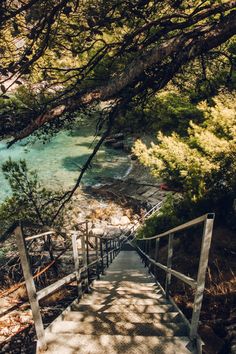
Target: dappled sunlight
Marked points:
126	312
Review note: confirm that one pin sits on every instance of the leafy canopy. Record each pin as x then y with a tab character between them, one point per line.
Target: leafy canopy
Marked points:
88	52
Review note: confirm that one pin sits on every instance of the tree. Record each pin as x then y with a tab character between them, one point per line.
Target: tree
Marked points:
92	52
30	201
203	163
88	52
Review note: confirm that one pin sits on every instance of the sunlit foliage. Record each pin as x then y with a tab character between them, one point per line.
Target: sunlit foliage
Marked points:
203	162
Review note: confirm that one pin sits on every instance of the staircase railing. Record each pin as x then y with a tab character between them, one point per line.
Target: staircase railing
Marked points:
98	255
129	231
145	247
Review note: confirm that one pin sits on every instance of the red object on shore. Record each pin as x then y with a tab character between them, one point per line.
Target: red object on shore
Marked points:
164	187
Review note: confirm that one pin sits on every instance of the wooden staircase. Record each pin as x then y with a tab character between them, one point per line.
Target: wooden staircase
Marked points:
125	312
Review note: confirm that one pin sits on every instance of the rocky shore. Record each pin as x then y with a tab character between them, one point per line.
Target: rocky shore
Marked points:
116	204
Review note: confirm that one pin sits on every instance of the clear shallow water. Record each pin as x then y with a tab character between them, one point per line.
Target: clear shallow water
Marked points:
57	162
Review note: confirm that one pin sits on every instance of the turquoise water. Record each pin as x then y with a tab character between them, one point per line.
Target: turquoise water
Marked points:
57	161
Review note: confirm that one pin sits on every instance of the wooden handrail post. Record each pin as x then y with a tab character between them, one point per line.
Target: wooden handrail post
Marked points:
76	263
31	290
205	248
169	264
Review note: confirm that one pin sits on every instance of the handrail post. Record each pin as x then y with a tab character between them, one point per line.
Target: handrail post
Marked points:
110	248
76	263
97	258
157	245
31	290
101	254
84	259
169	264
114	248
149	254
107	253
117	246
204	256
87	248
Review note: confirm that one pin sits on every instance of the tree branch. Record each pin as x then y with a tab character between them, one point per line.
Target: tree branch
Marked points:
192	44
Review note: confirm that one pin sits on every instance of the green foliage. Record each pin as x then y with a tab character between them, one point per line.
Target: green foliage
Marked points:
17	110
167	111
206	157
32	97
201	165
30	200
161	221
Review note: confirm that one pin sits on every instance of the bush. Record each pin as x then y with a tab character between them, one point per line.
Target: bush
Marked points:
203	161
165	219
166	111
201	165
30	200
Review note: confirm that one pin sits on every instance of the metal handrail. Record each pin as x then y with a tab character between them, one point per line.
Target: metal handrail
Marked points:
150	212
199	284
179	228
104	256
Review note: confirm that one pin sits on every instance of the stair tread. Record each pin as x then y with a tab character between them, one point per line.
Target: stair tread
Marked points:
115	344
124	308
123	316
120	295
121	301
103	326
125	313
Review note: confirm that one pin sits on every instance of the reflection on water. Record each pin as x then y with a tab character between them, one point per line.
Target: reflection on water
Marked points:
58	162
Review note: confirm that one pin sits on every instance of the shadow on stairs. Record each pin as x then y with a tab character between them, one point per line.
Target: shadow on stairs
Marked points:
125	313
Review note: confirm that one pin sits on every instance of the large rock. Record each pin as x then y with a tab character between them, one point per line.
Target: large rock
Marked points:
124	220
96	231
119	221
115	221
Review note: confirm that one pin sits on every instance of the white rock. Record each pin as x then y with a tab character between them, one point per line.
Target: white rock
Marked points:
96	231
115	221
124	220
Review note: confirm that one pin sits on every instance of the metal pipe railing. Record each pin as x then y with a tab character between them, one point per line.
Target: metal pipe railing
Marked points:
101	250
143	246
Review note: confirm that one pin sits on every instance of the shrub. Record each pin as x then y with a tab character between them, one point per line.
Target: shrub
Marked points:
30	200
166	111
202	161
202	164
